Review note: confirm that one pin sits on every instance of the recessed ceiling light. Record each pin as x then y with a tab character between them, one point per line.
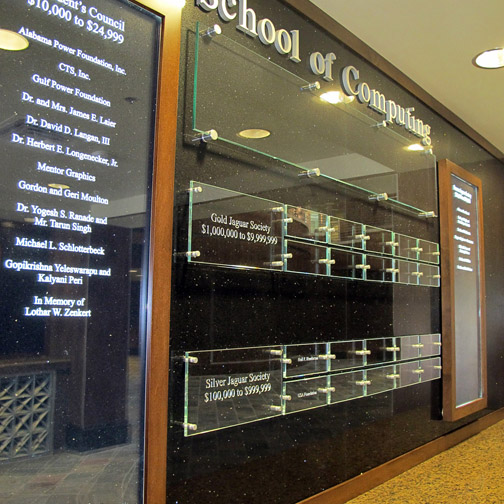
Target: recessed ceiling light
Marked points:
59	186
12	41
254	133
493	58
336	97
415	147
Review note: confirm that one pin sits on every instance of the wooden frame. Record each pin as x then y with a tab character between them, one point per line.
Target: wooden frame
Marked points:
160	261
451	411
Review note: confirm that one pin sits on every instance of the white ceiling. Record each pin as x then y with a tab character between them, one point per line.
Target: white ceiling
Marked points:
433	42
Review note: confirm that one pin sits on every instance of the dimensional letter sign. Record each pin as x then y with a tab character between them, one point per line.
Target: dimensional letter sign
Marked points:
463	292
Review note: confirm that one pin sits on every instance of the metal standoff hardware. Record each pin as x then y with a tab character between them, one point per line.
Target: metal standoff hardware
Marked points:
362	352
437	253
363	266
378	197
392	349
363	382
193	254
190	426
327	356
427	215
276	352
419	371
191	359
278	209
325	229
314	86
437	367
417	273
392	270
274	264
286	397
288	220
416	249
206	136
392	376
314	172
392	244
211	31
437	277
362	237
326	390
382	124
286	361
327	261
275	408
437	343
417	345
196	189
286	256
427	152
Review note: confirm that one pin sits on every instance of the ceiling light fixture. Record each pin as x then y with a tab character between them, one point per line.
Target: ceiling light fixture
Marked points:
493	58
254	133
59	186
12	41
335	97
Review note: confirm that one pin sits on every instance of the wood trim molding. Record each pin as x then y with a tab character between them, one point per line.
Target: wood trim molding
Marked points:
306	8
367	481
160	261
448	260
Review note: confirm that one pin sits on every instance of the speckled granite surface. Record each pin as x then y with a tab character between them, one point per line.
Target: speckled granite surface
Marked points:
470	473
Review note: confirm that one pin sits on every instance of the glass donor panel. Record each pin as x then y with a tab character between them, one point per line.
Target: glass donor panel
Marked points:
76	132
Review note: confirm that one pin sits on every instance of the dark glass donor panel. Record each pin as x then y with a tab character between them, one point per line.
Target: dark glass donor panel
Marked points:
76	130
338	281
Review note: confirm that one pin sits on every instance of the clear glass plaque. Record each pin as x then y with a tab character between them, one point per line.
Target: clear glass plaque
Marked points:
379	240
347	355
306	394
410	373
431	369
429	275
410	347
340	140
429	251
382	350
308	224
306	258
431	344
234	229
224	388
346	233
407	246
346	386
306	359
381	379
408	272
381	269
347	264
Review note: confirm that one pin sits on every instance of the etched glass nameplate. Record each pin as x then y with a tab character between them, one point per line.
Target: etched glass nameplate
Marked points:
303	223
305	394
234	229
407	246
429	251
408	272
306	359
381	269
381	379
306	258
224	388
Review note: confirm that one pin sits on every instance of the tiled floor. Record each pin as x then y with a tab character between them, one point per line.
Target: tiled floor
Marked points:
106	476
